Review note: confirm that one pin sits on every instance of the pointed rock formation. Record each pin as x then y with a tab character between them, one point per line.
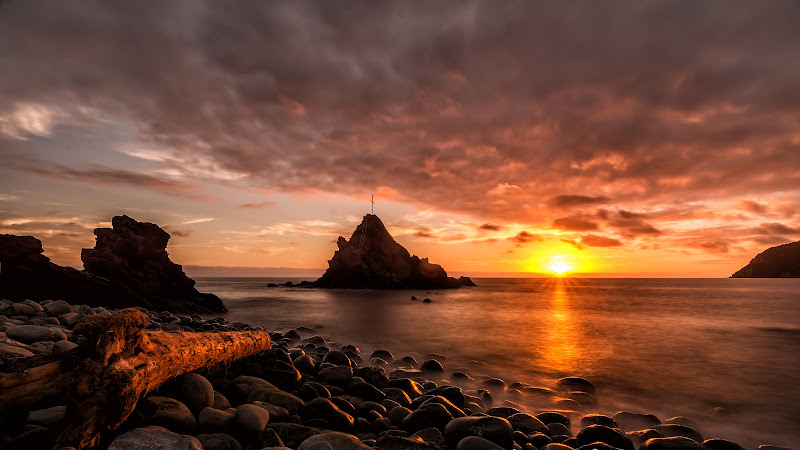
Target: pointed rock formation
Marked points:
135	254
782	261
372	259
129	266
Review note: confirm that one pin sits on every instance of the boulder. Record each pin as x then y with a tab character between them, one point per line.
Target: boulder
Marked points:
154	438
338	441
494	429
372	259
671	443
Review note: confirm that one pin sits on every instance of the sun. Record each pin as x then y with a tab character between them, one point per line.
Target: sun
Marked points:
559	265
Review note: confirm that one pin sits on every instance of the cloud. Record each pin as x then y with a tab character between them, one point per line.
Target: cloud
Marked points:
201	220
472	108
776	228
753	206
710	245
490	227
565	201
179	233
241	249
575	223
573	243
523	237
8	198
593	240
264	204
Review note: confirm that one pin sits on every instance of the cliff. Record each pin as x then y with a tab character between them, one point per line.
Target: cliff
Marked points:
129	266
782	261
372	259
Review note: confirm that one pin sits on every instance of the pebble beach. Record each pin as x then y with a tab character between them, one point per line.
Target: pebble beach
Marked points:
308	392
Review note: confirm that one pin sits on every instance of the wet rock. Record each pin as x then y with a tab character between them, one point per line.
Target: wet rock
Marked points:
194	391
671	443
385	355
598	419
292	434
388	442
494	429
430	435
311	390
639	437
558	429
154	438
554	417
322	408
569	384
305	364
336	375
720	444
431	365
218	441
58	308
220	402
337	441
397	414
477	443
166	412
630	421
279	398
251	418
583	398
502	411
539	440
454	410
270	438
610	436
337	358
409	386
593	446
29	334
212	420
367	392
673	430
527	424
398	395
244	386
556	446
427	415
282	374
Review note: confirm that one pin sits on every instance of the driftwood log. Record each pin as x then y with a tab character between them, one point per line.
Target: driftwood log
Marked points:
120	363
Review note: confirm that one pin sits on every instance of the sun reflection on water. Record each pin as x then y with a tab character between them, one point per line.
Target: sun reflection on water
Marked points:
562	352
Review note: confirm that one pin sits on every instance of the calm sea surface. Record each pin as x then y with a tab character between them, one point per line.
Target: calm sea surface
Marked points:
667	346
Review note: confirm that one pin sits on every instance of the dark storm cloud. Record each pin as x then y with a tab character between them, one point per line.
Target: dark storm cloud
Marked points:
485	108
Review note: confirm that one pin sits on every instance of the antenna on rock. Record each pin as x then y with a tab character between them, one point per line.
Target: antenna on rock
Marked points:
372	200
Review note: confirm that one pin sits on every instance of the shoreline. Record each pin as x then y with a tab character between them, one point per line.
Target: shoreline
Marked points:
308	367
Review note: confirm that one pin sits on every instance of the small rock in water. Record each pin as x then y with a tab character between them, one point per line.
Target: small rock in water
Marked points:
569	384
432	365
427	300
630	421
154	438
720	444
673	430
610	436
597	419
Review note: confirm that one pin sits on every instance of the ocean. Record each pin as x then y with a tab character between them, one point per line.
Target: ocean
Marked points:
723	352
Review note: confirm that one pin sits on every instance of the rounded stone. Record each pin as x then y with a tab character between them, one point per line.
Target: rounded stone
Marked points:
431	365
397	414
477	443
29	334
195	391
720	444
527	424
558	429
251	418
671	443
610	436
322	408
675	430
218	441
570	384
244	386
168	413
427	415
556	446
336	375
598	419
58	308
494	429
549	417
338	441
220	401
64	346
214	420
630	421
385	355
279	398
337	358
154	438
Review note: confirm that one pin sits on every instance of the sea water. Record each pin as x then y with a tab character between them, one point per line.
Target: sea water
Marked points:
724	352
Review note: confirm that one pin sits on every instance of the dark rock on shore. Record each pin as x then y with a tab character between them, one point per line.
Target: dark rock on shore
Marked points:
372	259
782	261
134	254
129	266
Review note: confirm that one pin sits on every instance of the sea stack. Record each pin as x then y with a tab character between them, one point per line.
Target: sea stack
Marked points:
782	261
372	259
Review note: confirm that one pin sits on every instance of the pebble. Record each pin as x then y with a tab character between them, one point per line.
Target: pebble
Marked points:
34	333
251	418
166	412
601	433
337	441
195	391
494	429
214	420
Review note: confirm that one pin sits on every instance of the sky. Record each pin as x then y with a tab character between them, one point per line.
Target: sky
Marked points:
608	138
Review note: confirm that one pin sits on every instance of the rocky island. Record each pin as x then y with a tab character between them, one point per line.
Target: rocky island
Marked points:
782	261
129	266
372	259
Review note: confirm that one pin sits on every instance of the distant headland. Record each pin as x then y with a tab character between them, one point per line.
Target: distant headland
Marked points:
782	261
372	259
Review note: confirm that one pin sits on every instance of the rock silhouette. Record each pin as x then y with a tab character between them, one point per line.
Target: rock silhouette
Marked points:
372	259
782	261
129	266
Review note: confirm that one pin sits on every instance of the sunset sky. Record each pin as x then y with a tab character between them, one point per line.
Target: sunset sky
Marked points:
642	138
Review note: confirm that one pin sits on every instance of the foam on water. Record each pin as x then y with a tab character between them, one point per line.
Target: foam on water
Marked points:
667	346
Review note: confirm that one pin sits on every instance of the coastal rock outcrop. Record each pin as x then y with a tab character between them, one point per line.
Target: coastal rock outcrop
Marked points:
129	266
782	261
372	259
134	254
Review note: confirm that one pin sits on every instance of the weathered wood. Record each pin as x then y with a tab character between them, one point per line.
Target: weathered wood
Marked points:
124	363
